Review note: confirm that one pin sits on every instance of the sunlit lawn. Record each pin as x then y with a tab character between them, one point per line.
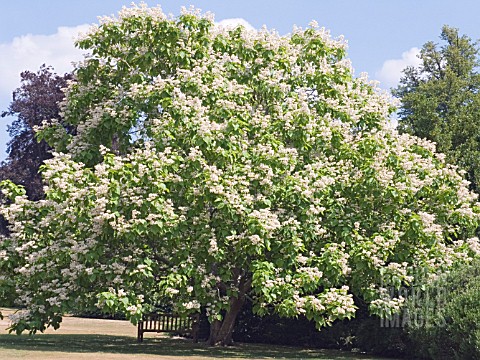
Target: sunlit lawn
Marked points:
112	339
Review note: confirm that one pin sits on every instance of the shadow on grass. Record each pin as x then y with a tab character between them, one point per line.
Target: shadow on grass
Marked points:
161	346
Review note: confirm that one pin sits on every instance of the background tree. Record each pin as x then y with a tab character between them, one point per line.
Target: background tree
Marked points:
247	166
440	100
34	101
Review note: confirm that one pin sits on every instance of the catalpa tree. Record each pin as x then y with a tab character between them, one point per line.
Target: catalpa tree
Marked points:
215	166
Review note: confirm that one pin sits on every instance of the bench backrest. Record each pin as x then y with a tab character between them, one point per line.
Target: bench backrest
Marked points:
163	322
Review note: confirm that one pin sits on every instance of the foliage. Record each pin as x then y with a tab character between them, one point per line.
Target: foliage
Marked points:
441	100
445	324
376	336
273	329
33	102
364	333
244	166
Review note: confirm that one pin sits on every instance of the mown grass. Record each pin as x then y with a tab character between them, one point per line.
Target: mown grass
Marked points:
115	340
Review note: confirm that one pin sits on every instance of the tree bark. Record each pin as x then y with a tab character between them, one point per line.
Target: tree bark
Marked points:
221	331
214	329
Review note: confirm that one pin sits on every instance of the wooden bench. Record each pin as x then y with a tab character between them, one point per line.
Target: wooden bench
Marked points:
168	323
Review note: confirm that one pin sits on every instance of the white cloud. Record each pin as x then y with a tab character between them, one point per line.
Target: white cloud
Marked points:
234	22
29	52
391	72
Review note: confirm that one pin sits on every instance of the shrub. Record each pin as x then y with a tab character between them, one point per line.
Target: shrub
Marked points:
365	333
445	321
273	329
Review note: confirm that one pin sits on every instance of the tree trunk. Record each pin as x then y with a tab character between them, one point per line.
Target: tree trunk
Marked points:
221	331
214	329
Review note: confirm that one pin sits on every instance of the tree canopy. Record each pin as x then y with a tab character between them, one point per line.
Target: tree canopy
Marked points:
440	100
214	166
33	102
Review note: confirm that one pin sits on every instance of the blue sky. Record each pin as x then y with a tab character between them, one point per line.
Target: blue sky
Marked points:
383	35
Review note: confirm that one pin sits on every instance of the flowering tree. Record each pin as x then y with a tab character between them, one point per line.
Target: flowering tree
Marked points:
215	166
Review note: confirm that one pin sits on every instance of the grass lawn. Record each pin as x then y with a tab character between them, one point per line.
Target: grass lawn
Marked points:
80	338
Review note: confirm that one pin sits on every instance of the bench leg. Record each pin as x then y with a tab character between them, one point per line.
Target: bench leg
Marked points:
140	332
